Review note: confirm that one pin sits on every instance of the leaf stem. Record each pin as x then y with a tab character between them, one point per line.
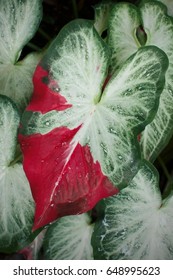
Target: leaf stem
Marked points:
33	47
75	10
167	191
16	160
44	34
165	170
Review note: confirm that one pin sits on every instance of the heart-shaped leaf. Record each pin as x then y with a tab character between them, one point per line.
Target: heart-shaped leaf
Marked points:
69	238
19	21
80	134
16	202
137	224
151	18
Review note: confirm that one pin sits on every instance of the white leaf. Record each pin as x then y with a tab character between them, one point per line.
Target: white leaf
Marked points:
16	80
19	20
137	224
16	202
69	239
102	11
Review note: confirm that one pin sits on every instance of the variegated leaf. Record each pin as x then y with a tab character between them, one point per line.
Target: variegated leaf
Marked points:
19	20
102	11
83	130
160	33
16	80
69	238
124	22
137	224
16	202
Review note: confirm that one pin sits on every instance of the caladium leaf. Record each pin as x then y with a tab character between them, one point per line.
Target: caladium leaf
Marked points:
69	238
102	11
16	80
124	21
151	18
80	135
16	202
19	20
137	223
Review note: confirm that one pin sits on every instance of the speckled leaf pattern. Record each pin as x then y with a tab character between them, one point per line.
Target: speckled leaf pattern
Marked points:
137	224
19	20
16	202
87	117
123	22
69	238
159	29
160	33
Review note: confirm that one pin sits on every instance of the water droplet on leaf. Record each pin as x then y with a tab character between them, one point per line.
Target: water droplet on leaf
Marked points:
120	157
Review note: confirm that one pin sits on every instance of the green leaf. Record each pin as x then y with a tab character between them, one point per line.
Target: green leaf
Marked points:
69	238
137	223
124	21
16	202
19	20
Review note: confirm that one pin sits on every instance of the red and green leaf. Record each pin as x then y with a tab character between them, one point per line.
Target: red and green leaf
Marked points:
79	134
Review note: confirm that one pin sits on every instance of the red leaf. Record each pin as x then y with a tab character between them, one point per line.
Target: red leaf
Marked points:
64	179
46	96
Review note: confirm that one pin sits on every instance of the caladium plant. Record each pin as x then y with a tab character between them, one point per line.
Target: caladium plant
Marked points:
79	125
100	87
